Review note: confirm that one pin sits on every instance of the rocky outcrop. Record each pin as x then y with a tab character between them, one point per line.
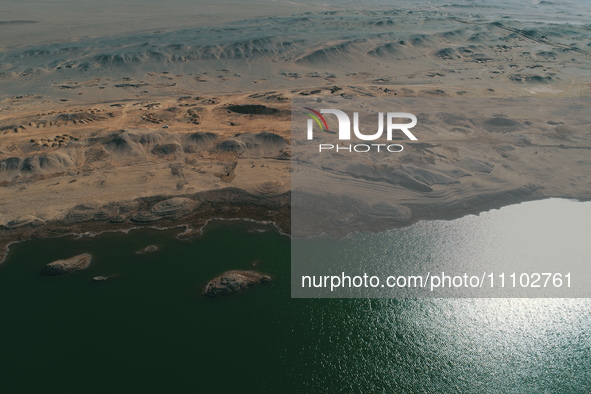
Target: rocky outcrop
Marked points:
172	206
24	221
232	282
73	264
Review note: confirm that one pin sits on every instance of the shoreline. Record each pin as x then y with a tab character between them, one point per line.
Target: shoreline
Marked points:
471	205
195	223
194	233
227	204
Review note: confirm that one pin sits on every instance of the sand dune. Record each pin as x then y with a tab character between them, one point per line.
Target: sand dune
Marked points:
472	46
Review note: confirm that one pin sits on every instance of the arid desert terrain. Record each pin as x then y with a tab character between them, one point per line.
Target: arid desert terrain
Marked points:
177	114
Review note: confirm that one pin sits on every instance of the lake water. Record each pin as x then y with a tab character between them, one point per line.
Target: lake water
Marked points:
537	249
150	330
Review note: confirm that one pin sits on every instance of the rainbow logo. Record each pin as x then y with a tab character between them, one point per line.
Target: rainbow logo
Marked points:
318	118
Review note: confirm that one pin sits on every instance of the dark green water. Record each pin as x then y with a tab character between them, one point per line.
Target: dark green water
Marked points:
149	330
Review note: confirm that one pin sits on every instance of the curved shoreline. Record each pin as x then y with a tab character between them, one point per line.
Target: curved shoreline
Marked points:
277	207
223	204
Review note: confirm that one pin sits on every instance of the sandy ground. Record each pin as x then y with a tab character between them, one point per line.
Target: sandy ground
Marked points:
95	117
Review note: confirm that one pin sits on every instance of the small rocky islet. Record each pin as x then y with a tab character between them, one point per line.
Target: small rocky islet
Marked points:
61	267
147	249
232	282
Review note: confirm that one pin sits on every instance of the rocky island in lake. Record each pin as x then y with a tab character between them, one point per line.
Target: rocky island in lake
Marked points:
232	282
66	266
